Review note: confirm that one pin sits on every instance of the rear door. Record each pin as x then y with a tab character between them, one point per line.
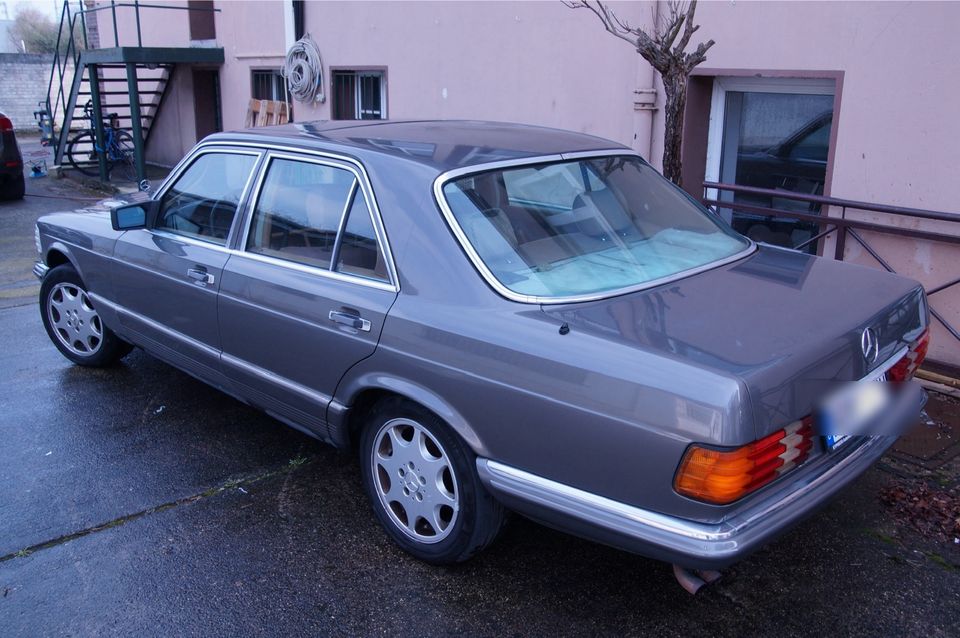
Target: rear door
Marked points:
306	293
166	278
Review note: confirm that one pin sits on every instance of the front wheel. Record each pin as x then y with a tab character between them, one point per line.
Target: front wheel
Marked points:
82	154
73	324
422	482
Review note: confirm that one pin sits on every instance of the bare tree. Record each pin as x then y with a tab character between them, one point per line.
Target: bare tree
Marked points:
34	32
665	51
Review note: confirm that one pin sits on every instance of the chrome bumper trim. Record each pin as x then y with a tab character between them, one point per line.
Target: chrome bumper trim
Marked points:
606	511
40	269
709	545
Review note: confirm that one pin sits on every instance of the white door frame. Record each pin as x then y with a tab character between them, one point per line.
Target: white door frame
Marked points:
718	102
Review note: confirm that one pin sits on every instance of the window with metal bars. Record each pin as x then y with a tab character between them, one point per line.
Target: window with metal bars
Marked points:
267	85
359	95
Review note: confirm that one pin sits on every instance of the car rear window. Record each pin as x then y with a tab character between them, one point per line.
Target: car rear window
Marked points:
580	228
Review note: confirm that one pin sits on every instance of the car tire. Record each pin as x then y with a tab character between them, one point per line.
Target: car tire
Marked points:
14	189
415	468
72	323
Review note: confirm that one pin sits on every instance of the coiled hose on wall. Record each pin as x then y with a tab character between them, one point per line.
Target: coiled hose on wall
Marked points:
303	70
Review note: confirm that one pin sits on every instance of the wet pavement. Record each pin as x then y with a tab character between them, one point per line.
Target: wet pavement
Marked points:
138	500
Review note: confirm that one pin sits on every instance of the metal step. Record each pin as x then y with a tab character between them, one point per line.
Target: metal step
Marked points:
121	92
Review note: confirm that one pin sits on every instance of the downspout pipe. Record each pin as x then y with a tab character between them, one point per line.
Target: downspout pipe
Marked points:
653	84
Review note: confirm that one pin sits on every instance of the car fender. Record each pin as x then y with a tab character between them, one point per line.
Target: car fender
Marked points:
64	249
350	388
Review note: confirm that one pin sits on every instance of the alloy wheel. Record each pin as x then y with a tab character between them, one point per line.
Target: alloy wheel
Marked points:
415	481
74	321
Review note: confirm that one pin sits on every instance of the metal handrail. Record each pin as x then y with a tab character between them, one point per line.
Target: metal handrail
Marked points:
843	226
836	201
72	51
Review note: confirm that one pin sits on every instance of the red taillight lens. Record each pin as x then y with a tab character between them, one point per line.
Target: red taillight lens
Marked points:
905	368
5	124
723	476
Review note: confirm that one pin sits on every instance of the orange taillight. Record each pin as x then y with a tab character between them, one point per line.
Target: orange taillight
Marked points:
723	476
904	369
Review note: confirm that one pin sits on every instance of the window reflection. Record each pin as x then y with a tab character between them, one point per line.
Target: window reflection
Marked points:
776	141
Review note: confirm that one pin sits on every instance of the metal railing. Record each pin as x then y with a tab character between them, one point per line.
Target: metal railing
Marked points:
842	227
63	103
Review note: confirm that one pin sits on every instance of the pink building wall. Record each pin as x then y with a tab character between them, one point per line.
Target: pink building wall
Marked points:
898	134
541	63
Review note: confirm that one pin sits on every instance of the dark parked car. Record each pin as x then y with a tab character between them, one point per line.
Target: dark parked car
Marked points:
12	183
501	316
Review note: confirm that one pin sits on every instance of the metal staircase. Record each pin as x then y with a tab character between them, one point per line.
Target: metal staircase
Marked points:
114	91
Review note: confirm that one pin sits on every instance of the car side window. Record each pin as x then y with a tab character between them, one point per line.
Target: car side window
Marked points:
203	202
298	211
814	146
360	253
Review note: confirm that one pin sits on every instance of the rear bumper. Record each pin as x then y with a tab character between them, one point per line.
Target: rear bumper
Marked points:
762	517
40	269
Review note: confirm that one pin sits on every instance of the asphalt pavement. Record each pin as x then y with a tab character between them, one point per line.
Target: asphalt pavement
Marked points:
136	500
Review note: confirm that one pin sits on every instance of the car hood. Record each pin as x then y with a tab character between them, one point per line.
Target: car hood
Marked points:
785	323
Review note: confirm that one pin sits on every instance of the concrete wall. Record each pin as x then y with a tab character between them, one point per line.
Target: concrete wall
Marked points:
23	83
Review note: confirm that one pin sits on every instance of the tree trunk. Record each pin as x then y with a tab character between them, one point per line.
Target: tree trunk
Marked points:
675	91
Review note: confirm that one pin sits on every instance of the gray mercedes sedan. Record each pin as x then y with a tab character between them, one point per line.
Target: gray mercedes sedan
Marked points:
497	317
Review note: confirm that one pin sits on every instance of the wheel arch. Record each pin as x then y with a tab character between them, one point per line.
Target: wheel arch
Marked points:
58	254
366	391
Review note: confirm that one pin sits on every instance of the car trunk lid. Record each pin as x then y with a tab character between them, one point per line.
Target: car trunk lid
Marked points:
788	324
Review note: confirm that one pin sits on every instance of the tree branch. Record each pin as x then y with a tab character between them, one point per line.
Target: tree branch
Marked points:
689	30
612	25
665	53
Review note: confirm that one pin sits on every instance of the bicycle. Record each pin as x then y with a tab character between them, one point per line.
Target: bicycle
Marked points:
82	150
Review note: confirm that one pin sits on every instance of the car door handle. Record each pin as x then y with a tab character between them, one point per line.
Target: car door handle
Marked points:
201	276
349	319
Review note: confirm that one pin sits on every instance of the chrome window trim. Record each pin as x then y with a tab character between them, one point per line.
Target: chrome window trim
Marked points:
182	167
501	289
358	178
343	224
301	152
193	241
316	270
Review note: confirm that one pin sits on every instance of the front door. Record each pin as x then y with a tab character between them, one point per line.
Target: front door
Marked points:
305	295
167	277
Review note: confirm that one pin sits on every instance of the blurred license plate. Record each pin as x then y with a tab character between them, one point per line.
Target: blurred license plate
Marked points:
859	403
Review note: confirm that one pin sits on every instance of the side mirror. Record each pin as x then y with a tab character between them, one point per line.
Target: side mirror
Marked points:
134	216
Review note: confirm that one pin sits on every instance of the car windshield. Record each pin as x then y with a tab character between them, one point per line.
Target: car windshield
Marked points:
575	228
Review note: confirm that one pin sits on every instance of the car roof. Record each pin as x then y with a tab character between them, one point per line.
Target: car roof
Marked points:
442	144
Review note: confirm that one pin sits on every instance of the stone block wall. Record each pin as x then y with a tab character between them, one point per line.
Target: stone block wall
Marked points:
23	83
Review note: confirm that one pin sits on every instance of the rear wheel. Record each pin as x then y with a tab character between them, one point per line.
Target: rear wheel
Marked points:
73	324
422	482
14	189
123	165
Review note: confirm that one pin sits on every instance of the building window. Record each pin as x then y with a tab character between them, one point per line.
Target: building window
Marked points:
771	133
359	95
268	85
